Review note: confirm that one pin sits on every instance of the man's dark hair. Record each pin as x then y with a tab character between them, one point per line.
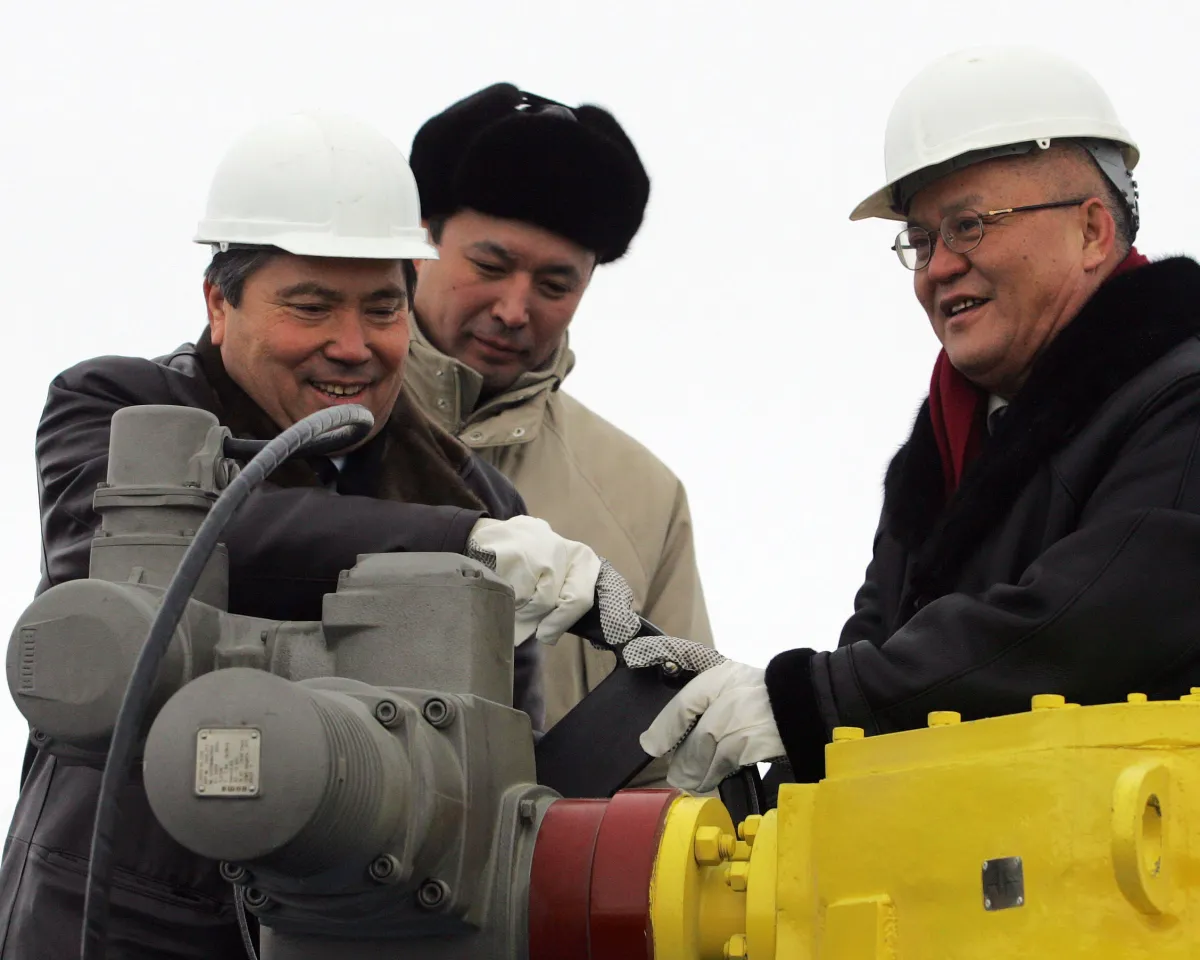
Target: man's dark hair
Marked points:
229	270
436	226
1116	206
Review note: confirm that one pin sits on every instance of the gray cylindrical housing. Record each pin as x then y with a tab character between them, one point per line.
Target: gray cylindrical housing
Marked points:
245	766
72	652
153	445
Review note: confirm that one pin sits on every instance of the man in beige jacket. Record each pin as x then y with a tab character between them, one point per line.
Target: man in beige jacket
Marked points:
524	197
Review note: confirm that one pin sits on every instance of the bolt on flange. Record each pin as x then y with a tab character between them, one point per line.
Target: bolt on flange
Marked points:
433	894
438	713
387	713
385	869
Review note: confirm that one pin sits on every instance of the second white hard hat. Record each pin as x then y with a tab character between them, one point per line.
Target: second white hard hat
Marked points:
994	97
317	184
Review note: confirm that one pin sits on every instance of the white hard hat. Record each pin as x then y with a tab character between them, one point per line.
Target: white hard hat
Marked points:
990	101
320	185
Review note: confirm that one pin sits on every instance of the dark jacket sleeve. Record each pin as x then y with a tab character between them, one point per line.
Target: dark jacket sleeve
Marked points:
286	546
1107	610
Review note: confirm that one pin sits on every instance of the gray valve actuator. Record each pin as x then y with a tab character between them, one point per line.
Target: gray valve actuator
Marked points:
364	779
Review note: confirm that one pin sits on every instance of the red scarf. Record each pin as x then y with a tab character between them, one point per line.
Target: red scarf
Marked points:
956	406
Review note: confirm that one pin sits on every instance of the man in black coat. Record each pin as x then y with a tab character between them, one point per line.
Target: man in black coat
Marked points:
1041	526
307	297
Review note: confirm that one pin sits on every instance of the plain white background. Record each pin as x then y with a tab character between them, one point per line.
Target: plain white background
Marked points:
767	349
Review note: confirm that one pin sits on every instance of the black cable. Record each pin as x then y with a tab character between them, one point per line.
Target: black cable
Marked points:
135	702
239	902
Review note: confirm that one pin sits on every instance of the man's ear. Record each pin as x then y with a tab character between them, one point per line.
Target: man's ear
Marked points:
218	312
1099	234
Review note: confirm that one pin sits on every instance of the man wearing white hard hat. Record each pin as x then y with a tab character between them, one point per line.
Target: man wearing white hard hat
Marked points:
315	222
1041	525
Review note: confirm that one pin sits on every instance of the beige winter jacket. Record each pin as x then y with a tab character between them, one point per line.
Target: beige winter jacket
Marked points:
590	482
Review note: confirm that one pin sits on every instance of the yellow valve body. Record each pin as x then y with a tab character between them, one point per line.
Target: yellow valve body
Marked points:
1059	833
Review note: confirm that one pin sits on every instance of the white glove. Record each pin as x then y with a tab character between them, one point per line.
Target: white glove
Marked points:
620	625
554	579
733	727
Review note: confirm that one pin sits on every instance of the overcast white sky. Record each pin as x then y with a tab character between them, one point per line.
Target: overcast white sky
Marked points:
767	349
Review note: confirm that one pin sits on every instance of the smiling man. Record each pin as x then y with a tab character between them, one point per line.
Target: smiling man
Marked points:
314	223
1041	525
524	198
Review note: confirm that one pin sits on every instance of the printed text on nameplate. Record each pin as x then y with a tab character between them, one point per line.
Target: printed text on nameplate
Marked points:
228	762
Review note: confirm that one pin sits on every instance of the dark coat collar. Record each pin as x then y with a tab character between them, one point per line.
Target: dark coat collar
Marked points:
1133	320
410	460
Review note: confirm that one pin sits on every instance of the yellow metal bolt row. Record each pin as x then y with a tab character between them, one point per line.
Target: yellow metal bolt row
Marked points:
713	847
1040	701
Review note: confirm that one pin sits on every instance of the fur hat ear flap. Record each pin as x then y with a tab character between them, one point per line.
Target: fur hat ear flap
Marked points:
513	155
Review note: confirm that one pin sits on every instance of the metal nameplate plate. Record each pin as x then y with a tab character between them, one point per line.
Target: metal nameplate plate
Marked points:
228	762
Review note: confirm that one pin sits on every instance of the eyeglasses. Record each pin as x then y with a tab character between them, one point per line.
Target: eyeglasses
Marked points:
961	232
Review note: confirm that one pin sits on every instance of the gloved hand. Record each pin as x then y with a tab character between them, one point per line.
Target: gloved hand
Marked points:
724	720
554	579
620	625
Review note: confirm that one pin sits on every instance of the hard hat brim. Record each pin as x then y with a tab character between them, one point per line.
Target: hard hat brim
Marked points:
303	244
879	204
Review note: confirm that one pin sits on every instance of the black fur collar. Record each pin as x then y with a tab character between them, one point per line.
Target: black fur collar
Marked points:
1131	321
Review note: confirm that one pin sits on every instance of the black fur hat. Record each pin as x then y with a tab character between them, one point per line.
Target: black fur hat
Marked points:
511	154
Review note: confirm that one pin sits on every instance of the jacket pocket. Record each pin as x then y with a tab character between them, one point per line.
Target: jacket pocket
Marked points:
138	885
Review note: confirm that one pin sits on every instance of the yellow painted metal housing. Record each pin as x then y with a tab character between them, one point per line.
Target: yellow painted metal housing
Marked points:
1059	833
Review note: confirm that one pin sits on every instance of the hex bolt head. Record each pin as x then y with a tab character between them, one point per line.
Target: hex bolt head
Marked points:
432	894
735	947
527	811
748	828
233	872
385	869
737	875
712	847
387	713
438	712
